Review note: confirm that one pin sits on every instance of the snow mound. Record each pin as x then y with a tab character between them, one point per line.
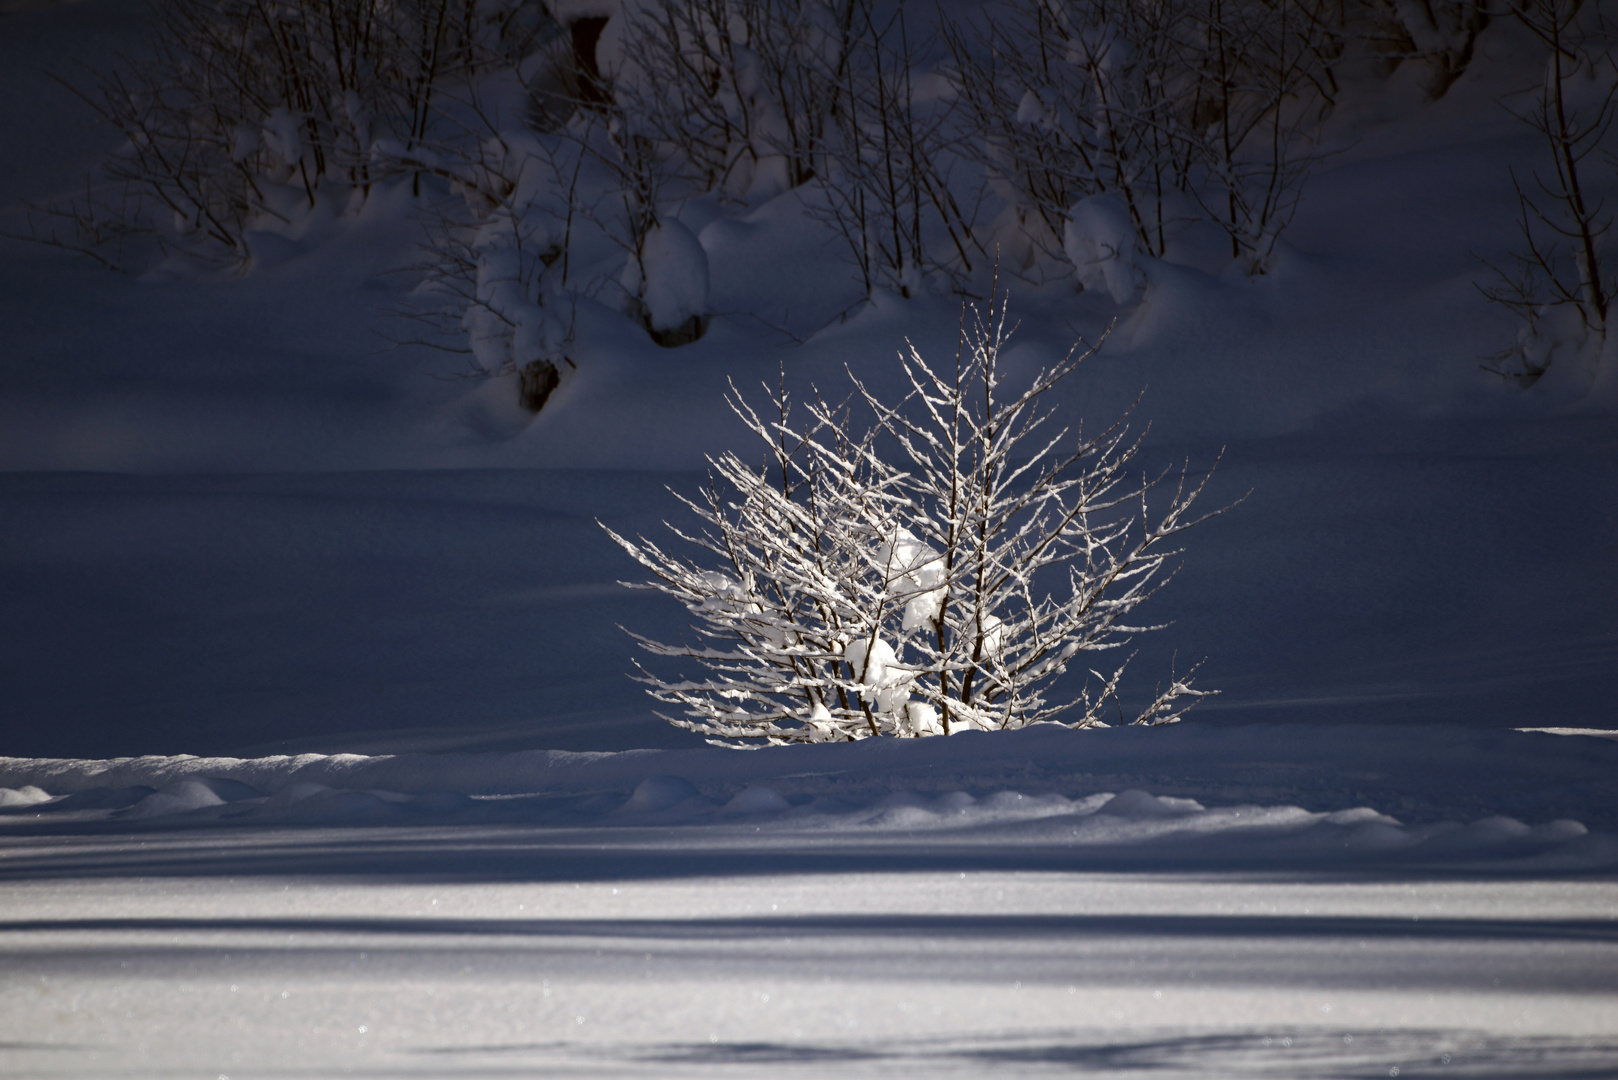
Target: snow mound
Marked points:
1141	804
27	795
659	793
1099	240
670	277
757	800
177	798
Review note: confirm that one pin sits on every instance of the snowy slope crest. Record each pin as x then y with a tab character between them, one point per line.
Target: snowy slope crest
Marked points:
1034	789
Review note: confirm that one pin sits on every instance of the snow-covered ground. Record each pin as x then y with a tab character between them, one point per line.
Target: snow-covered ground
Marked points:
1125	902
658	965
720	969
1204	900
433	830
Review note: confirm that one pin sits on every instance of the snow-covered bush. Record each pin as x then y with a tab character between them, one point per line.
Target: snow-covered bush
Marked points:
668	281
535	219
493	282
512	312
748	98
245	112
1101	243
739	93
891	184
1182	111
248	115
932	574
1560	282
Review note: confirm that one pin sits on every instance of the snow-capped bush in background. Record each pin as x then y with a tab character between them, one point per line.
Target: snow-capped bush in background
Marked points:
493	282
245	113
748	98
513	319
1183	111
556	145
569	134
1560	282
931	574
559	198
739	92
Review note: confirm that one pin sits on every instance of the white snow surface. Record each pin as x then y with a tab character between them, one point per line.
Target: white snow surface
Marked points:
325	760
1010	905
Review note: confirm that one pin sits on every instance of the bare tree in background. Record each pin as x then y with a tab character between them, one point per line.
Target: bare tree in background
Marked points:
889	187
738	91
1560	283
1072	100
247	110
1439	34
1183	110
786	93
1263	90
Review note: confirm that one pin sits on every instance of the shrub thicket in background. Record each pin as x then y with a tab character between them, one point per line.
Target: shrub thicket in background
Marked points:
1180	112
246	112
1560	281
552	147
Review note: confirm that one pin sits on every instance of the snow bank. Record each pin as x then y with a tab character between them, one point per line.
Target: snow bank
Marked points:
1197	789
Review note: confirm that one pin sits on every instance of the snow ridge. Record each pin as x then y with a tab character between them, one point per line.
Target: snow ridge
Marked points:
1044	786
